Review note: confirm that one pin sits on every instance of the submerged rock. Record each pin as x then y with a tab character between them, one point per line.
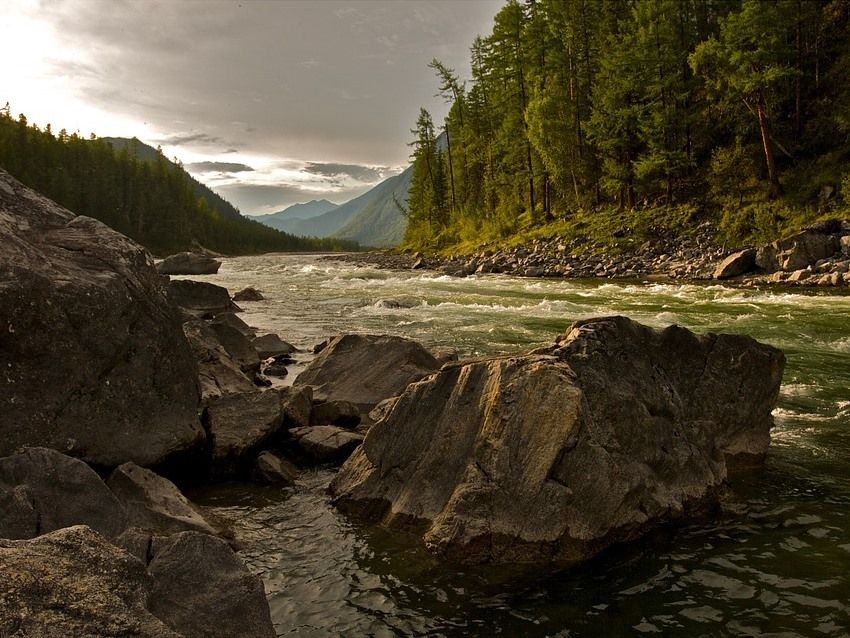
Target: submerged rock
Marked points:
556	455
94	361
366	369
248	294
188	264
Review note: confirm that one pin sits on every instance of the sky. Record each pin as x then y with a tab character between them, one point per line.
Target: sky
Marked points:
268	102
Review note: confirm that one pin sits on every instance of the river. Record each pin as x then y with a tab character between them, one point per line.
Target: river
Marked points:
775	562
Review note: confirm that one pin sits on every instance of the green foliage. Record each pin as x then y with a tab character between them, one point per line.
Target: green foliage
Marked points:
583	114
152	201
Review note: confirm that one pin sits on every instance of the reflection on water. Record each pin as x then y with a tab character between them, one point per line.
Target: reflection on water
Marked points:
775	562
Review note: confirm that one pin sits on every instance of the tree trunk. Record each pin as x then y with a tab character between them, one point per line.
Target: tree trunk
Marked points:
775	187
451	167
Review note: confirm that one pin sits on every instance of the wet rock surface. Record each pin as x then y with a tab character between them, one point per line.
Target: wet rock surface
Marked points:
555	455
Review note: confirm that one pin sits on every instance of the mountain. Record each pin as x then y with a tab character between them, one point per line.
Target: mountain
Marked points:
142	151
308	210
372	219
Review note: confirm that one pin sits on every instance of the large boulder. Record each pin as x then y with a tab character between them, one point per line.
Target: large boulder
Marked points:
238	425
736	264
325	443
72	582
188	264
237	345
154	503
93	357
557	455
366	369
42	490
200	299
797	251
202	589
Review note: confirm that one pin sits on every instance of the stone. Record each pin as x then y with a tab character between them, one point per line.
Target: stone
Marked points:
798	275
238	425
445	355
342	413
276	366
554	457
380	411
237	345
72	582
845	245
271	345
736	264
803	249
297	406
188	264
154	503
42	490
121	383
272	469
218	373
234	321
202	590
366	369
326	443
248	294
200	299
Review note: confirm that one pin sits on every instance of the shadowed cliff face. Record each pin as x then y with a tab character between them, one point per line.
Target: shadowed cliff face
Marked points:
94	361
556	455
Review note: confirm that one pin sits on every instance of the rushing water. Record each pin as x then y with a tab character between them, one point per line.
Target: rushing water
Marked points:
776	561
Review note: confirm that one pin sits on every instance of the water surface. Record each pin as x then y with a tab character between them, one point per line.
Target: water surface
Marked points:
775	562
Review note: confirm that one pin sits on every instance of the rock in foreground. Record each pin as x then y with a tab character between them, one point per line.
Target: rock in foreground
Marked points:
556	455
94	361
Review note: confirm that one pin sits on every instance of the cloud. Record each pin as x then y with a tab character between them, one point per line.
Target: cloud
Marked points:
365	174
181	139
224	167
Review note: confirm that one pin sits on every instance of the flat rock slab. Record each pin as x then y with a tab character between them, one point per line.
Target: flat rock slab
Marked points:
94	361
366	369
554	456
326	443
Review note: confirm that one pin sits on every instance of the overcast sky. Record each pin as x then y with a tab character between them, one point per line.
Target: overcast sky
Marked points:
268	102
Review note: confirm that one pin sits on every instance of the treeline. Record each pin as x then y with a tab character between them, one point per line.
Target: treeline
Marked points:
153	201
738	107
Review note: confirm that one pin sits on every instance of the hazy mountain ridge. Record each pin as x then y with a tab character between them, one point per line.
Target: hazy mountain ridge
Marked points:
307	210
372	219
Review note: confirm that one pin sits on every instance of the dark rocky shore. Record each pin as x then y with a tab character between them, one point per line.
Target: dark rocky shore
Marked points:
816	256
122	385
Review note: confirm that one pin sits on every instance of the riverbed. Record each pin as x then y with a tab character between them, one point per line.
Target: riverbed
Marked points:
775	561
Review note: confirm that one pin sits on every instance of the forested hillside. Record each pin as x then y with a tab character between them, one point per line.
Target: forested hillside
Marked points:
599	112
153	201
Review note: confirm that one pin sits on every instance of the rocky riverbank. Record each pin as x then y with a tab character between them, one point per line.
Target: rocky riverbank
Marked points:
816	256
